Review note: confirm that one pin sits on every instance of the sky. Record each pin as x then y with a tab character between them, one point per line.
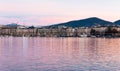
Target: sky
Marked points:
47	12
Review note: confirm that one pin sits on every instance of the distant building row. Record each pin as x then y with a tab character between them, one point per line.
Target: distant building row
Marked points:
61	31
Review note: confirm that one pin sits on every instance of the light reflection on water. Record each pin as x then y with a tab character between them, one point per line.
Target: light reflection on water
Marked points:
59	54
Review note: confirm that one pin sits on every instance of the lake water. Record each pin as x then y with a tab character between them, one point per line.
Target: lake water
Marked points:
59	54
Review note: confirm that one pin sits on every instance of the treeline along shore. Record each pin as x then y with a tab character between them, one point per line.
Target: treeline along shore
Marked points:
61	31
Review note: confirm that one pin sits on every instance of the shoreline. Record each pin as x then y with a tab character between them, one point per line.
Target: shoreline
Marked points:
56	37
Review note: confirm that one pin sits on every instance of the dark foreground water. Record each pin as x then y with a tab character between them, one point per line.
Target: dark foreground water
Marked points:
59	54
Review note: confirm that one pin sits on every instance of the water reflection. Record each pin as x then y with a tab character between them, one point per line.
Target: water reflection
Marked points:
59	54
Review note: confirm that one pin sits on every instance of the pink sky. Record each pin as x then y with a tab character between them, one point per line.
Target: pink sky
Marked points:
47	12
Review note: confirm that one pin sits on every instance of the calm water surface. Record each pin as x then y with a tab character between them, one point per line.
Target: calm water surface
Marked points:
59	54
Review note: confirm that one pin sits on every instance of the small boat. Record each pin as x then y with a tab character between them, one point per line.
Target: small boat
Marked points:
83	35
93	36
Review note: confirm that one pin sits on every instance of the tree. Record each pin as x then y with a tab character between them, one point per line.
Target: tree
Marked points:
93	32
114	31
111	31
108	30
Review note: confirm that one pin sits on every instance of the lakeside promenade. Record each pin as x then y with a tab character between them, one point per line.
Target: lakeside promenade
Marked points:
62	31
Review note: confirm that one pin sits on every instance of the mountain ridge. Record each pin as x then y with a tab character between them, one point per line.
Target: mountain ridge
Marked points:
88	22
117	22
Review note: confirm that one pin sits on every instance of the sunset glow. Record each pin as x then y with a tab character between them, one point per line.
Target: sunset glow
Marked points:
46	12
